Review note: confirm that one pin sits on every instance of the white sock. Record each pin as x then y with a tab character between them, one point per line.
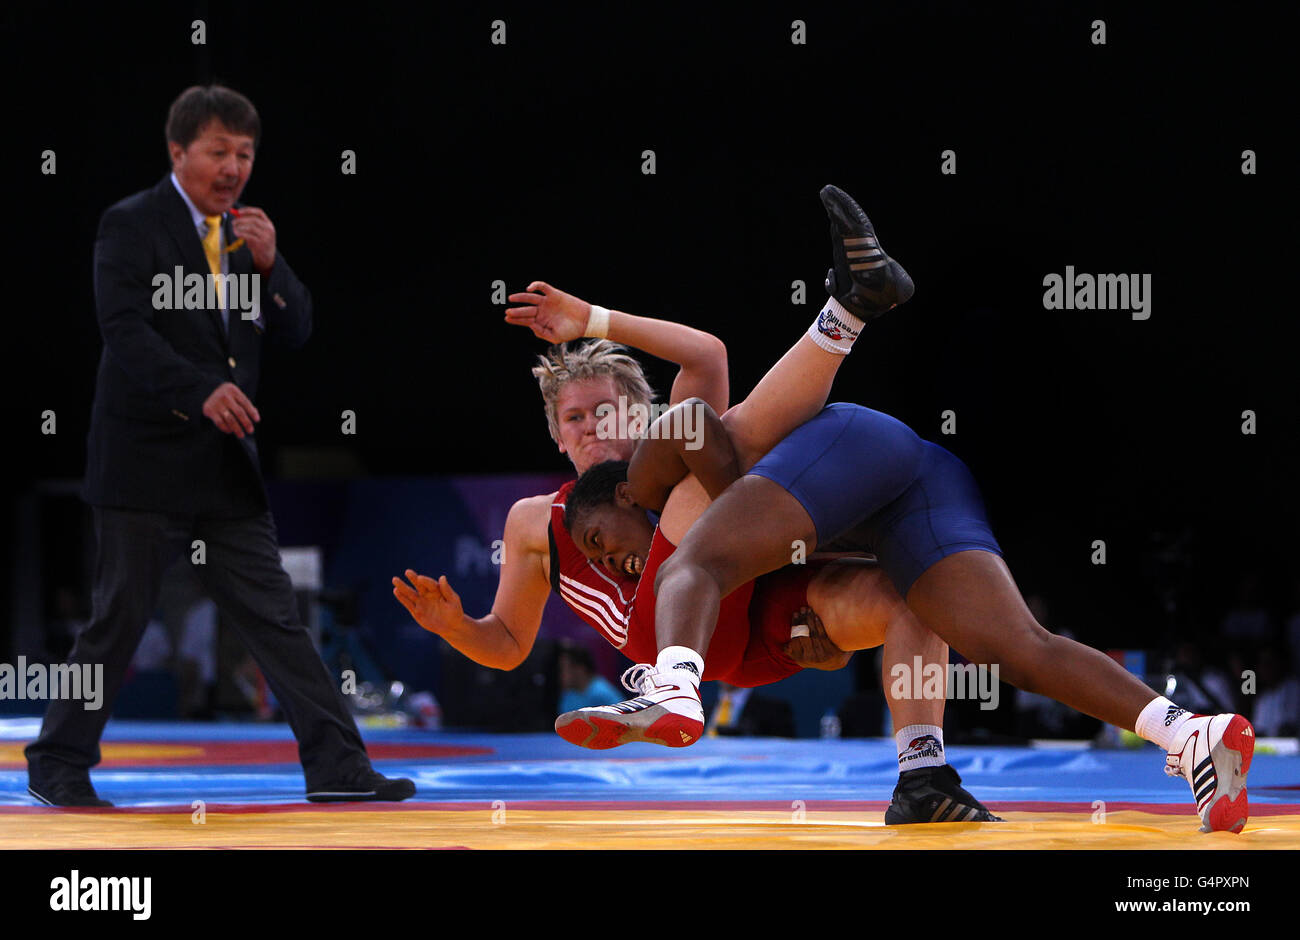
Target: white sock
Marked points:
1161	721
681	662
916	749
835	328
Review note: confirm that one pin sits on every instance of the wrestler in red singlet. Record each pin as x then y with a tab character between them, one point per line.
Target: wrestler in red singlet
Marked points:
753	621
597	596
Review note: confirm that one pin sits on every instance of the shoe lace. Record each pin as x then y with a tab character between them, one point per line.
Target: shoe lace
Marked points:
1174	762
639	677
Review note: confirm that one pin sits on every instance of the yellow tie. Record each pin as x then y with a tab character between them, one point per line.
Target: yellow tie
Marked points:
212	248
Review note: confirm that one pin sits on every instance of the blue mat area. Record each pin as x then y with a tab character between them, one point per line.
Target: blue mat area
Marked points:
543	767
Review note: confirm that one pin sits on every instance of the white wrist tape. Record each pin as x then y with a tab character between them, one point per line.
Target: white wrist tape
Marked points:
598	322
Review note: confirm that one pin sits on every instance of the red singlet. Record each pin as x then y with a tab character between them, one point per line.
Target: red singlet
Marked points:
598	597
753	620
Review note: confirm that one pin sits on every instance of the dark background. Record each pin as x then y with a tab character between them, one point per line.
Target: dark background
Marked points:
479	162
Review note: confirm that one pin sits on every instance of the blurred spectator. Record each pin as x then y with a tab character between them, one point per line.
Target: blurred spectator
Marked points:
196	659
1203	689
1038	716
1292	633
257	695
192	660
864	715
580	687
1248	623
742	712
154	652
1277	709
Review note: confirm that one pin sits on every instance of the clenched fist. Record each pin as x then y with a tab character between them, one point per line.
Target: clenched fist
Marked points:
814	650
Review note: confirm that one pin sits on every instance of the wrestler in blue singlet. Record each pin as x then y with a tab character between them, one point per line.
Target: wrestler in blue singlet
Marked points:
910	500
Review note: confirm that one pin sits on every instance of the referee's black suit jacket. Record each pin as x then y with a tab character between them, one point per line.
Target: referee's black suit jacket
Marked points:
149	446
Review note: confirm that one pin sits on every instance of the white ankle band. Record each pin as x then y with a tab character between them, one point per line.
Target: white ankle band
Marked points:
835	328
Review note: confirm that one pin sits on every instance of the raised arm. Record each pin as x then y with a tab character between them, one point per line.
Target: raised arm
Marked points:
558	317
286	302
503	638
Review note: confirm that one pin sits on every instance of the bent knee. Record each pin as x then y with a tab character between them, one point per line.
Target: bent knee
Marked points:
681	568
1035	654
698	565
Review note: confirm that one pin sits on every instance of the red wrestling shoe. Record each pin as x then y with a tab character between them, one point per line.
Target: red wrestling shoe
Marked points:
667	712
1212	753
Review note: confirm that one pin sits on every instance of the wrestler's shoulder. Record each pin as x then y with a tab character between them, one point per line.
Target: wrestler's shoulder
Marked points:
528	521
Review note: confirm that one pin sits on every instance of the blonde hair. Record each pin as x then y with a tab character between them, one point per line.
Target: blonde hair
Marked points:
599	358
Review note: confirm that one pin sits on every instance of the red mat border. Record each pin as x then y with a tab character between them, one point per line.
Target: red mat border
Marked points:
486	806
263	753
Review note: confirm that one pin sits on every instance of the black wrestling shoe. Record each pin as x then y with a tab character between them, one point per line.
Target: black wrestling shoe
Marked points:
864	279
934	794
370	785
75	792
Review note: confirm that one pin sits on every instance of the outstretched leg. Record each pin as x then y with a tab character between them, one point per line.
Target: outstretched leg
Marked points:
863	283
970	600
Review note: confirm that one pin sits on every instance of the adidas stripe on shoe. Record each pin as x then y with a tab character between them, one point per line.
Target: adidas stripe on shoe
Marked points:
865	280
666	712
1213	754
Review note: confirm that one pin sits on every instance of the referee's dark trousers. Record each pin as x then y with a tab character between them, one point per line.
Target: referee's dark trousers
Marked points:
243	574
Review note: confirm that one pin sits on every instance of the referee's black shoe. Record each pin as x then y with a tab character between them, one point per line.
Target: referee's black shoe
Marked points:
369	785
863	278
75	791
934	794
